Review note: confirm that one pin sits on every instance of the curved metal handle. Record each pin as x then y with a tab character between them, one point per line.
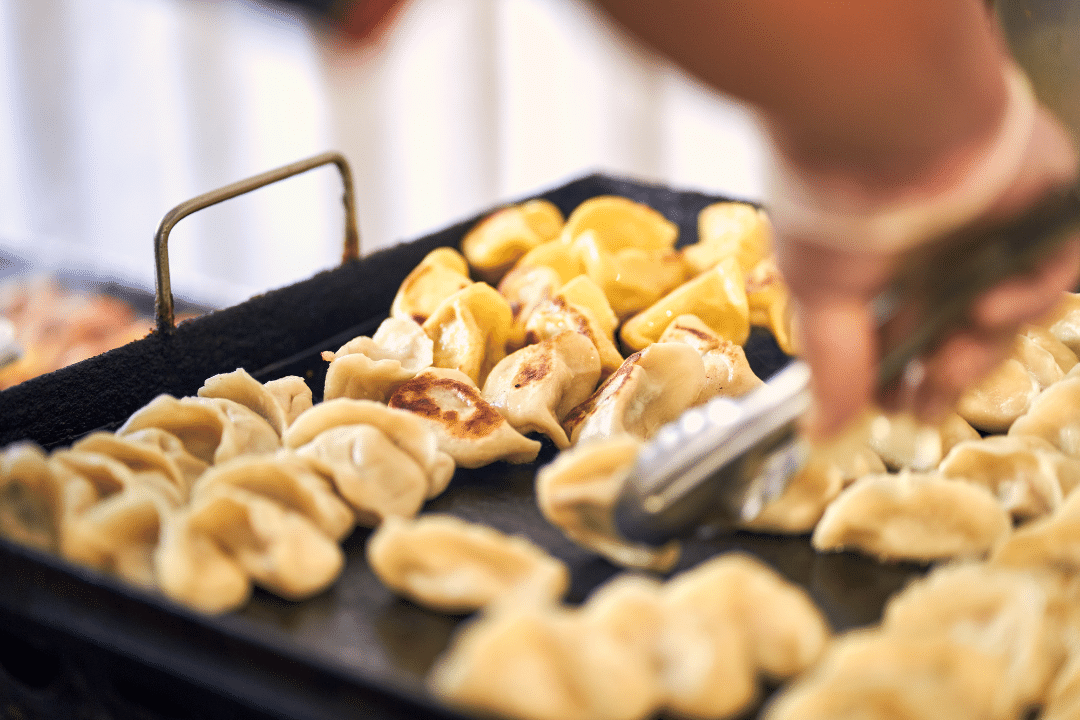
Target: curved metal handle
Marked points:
166	321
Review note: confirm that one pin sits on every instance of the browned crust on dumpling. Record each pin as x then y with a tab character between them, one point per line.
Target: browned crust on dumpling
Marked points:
415	396
613	381
537	369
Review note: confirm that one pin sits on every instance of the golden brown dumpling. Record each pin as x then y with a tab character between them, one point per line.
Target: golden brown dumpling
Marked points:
468	428
727	371
29	497
620	222
769	301
631	278
498	241
525	288
729	229
651	388
913	516
371	368
1053	417
580	306
471	331
454	566
577	492
278	409
536	387
441	273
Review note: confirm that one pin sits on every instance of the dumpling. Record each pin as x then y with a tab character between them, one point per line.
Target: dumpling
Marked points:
495	243
29	497
291	394
556	255
145	459
536	387
289	480
240	387
1053	417
525	288
371	368
1062	355
109	475
404	429
1064	321
441	273
905	443
579	305
375	476
193	569
158	440
729	229
468	428
577	493
920	517
212	429
769	302
651	388
1029	476
454	566
727	371
619	222
471	331
1051	542
631	278
280	549
717	296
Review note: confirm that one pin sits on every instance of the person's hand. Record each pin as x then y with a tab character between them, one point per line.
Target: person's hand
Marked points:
833	281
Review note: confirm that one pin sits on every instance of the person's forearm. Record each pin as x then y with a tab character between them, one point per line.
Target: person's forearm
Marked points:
868	88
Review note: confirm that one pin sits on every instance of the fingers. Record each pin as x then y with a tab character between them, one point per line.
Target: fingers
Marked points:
1029	297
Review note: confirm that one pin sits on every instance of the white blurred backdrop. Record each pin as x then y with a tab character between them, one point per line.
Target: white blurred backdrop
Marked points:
114	111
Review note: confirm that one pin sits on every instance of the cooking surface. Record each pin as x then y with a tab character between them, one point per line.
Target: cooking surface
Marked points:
356	648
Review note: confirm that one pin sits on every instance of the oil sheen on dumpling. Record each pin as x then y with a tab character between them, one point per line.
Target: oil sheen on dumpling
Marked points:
469	429
536	387
471	330
920	517
440	274
1064	321
29	497
454	566
404	429
577	492
727	371
579	305
277	408
631	278
729	229
371	368
498	241
651	388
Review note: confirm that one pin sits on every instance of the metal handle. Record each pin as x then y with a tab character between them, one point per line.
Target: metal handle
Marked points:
166	321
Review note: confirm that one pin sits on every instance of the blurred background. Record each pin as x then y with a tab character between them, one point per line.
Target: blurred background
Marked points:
114	111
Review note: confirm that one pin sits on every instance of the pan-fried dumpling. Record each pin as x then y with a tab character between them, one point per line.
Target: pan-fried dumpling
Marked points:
786	632
498	241
454	566
579	305
1029	476
1064	321
193	569
577	492
525	288
280	549
371	368
619	222
375	476
912	516
211	429
997	400
172	448
536	387
729	229
555	255
631	278
1051	542
471	330
905	443
404	429
727	371
441	273
1063	356
469	429
240	387
717	296
769	302
651	388
143	459
1053	417
830	467
291	481
29	497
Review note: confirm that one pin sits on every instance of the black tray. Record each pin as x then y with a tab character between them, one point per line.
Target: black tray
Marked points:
356	650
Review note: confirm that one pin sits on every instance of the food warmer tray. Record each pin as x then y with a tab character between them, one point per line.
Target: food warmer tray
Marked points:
356	650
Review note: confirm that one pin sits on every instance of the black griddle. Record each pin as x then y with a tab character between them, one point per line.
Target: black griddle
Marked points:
356	650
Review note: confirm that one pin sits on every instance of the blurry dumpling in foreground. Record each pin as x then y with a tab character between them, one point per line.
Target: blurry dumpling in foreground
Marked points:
905	443
470	331
1052	416
1050	543
454	566
277	408
577	492
651	388
729	229
619	222
467	427
727	371
1064	322
920	517
157	440
29	497
404	429
769	301
371	368
440	274
1029	476
536	387
498	241
580	306
717	296
193	569
147	456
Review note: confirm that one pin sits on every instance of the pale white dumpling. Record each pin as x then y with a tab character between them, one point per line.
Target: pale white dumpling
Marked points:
913	516
371	368
194	569
652	387
163	441
1064	322
1053	417
577	493
1051	542
278	405
29	497
468	428
727	371
536	387
454	566
147	460
905	443
292	395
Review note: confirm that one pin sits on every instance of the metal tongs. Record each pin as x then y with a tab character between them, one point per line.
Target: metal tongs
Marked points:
720	463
